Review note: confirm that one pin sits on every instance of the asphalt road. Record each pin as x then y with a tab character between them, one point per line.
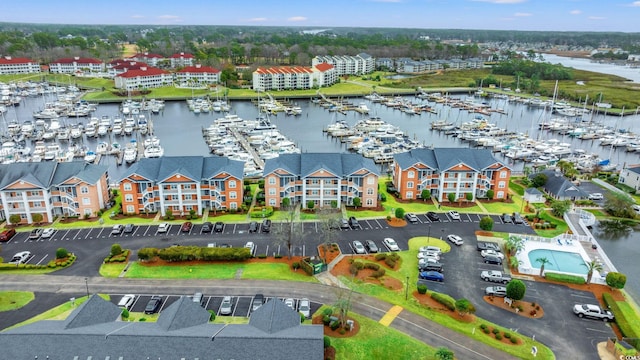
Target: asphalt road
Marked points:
567	335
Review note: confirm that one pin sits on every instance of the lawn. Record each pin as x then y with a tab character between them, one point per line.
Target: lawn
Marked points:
59	312
112	270
12	300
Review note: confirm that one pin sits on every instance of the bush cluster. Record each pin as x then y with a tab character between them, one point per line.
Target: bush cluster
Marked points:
190	253
571	279
257	212
378	273
445	300
121	257
422	289
380	256
626	329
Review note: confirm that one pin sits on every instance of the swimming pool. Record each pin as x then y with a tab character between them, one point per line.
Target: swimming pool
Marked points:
562	261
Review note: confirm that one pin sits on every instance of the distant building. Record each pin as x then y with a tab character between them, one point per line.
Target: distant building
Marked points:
534	196
181	60
348	65
293	77
630	176
149	58
143	78
76	64
10	65
121	66
198	73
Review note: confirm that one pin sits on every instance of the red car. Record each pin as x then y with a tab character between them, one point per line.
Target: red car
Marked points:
186	227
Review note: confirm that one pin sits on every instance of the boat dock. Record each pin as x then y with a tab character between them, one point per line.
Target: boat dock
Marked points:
248	148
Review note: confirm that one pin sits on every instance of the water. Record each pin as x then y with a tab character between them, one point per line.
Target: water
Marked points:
563	261
626	72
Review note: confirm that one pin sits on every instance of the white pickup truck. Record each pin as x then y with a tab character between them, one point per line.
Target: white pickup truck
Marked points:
495	276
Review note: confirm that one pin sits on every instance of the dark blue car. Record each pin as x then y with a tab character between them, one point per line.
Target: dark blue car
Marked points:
431	275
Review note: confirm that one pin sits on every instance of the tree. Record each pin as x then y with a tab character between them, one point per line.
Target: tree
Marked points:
286	202
62	253
425	194
14	219
289	231
539	180
516	289
356	202
514	244
343	304
490	194
37	218
464	306
329	224
311	204
469	196
514	262
543	261
116	250
558	208
618	205
399	213
444	353
592	266
486	223
451	197
616	280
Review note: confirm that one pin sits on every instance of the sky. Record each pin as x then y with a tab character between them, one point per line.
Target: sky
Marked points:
541	15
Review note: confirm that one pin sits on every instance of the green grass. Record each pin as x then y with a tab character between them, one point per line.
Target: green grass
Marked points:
230	320
12	300
375	341
503	207
112	270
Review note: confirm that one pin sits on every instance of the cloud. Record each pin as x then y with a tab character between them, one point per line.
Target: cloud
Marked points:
522	14
596	18
635	4
297	18
137	16
258	19
575	12
502	1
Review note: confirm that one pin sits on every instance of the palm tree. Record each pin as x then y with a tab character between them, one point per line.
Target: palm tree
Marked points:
592	266
543	261
514	262
514	244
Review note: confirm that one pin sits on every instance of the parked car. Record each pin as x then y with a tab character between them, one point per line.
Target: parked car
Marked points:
499	291
506	218
7	234
431	266
353	222
226	308
344	224
484	253
304	307
431	275
592	311
153	305
411	217
391	244
258	300
207	227
454	215
251	246
47	233
431	248
218	227
492	259
371	246
596	196
484	245
198	298
20	258
428	254
117	229
35	234
127	301
517	219
186	226
266	225
433	216
253	226
128	228
428	260
455	239
358	248
163	228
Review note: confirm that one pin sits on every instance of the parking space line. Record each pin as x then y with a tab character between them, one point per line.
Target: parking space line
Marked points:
145	232
390	315
41	260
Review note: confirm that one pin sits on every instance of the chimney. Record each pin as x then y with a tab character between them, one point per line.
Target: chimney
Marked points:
198	66
143	68
76	58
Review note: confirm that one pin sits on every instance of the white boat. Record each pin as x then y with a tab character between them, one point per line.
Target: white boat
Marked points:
90	156
76	132
63	134
102	130
130	154
151	141
102	148
153	151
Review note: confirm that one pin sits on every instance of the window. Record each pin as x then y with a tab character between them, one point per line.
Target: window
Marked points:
370	180
130	209
272	191
128	198
500	194
37	204
232	195
272	202
327	182
86	201
411	174
409	195
84	190
188	197
328	192
370	191
369	202
501	184
232	184
127	186
272	180
233	205
410	185
503	174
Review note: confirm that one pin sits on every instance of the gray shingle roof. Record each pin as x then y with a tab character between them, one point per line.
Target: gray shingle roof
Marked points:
196	168
560	186
92	312
446	158
634	169
46	174
274	316
533	191
89	173
182	314
306	164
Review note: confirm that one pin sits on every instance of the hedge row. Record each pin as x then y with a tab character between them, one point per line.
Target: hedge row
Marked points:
190	253
444	299
627	329
51	264
570	279
257	212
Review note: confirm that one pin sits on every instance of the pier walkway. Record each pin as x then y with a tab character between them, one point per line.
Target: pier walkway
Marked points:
248	148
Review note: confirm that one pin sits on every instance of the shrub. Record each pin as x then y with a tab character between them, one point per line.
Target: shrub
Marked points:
483	326
353	269
277	256
327	342
378	273
262	256
295	265
445	300
507	335
327	312
627	329
380	256
486	223
212	315
372	266
62	253
486	331
514	340
616	280
390	262
334	325
495	331
498	337
516	289
422	289
326	319
342	331
565	278
125	314
116	249
490	194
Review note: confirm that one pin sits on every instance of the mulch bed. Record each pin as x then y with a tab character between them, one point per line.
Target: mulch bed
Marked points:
283	260
336	333
333	253
427	301
364	275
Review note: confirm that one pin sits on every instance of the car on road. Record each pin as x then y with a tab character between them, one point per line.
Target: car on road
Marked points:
596	196
266	225
499	291
7	234
344	224
218	227
253	226
207	227
411	217
358	248
290	303
226	308
371	246
35	234
47	233
492	259
163	228
592	311
126	301
484	253
153	305
186	226
251	246
304	307
353	222
455	239
454	215
433	216
257	301
128	228
431	276
391	244
20	258
506	218
117	229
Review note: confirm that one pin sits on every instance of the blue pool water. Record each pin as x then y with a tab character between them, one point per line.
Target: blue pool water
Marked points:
563	261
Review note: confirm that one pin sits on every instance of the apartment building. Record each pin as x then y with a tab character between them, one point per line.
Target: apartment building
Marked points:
198	73
143	78
120	66
630	176
325	178
443	171
76	64
348	65
182	184
181	60
149	58
293	77
52	189
11	65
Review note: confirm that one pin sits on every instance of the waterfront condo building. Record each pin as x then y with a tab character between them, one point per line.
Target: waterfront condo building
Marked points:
143	78
348	65
327	179
444	171
199	74
293	77
181	60
52	189
11	65
75	65
182	184
149	58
